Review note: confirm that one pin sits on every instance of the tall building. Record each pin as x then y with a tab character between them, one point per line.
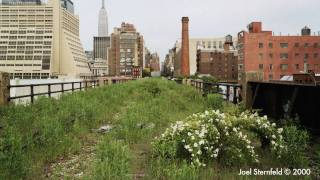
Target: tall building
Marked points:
277	56
222	64
39	40
185	64
126	52
100	47
103	21
154	63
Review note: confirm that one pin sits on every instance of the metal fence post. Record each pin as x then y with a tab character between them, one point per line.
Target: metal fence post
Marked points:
72	86
32	93
4	88
62	88
49	90
235	99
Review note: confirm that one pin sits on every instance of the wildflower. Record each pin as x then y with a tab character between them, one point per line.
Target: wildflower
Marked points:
195	145
280	130
201	142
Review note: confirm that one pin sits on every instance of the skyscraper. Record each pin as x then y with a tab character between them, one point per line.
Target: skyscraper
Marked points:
103	22
41	41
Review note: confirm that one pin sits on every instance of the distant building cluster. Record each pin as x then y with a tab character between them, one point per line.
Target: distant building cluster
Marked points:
254	50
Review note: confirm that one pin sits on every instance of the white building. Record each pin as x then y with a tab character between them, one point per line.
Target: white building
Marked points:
39	40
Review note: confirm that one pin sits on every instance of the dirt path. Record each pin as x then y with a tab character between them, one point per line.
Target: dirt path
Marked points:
74	166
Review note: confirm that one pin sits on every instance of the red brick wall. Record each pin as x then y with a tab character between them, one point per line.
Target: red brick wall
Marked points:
254	56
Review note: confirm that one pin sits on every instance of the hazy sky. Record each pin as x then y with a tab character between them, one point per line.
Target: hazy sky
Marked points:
159	21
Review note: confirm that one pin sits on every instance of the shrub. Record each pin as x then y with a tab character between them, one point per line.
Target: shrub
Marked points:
215	101
297	141
212	135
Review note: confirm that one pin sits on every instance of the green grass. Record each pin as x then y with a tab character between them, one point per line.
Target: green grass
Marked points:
36	135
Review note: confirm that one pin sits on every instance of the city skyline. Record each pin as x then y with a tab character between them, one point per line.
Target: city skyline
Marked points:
160	23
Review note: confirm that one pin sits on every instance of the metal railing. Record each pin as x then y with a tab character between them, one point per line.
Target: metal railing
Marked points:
231	92
83	85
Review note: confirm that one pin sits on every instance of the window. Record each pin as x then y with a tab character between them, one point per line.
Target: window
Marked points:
316	67
271	56
271	76
306	45
270	45
260	45
284	45
296	44
297	66
283	67
284	56
260	56
306	56
315	45
296	55
270	67
261	66
315	56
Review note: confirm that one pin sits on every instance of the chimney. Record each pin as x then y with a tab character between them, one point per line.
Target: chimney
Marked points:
185	66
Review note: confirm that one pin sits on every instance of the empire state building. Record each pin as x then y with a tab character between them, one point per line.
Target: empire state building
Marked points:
103	22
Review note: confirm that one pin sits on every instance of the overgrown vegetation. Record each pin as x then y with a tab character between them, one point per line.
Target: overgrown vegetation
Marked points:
33	136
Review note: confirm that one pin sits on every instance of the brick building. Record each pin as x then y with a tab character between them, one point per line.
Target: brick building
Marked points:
126	51
277	56
222	64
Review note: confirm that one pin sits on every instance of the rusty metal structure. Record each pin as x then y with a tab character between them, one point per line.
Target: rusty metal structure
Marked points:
281	100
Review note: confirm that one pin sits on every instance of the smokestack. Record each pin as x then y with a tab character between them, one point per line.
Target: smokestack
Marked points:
185	65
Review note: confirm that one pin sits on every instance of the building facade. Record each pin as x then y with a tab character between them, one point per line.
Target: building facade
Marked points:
154	63
210	44
277	56
103	21
221	64
41	41
100	47
126	52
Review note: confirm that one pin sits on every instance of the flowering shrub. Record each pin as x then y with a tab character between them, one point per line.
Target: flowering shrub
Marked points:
213	135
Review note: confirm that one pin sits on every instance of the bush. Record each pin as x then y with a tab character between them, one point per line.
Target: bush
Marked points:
297	142
212	135
215	101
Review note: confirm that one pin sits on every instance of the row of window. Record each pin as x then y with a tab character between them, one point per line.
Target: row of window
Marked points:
24	32
285	67
286	45
20	64
24	57
29	75
285	56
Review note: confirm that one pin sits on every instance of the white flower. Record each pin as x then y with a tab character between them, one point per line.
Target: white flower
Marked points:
192	137
201	142
187	147
274	137
274	124
195	145
280	130
189	133
183	140
199	152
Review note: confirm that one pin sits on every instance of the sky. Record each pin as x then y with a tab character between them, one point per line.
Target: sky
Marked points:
159	21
